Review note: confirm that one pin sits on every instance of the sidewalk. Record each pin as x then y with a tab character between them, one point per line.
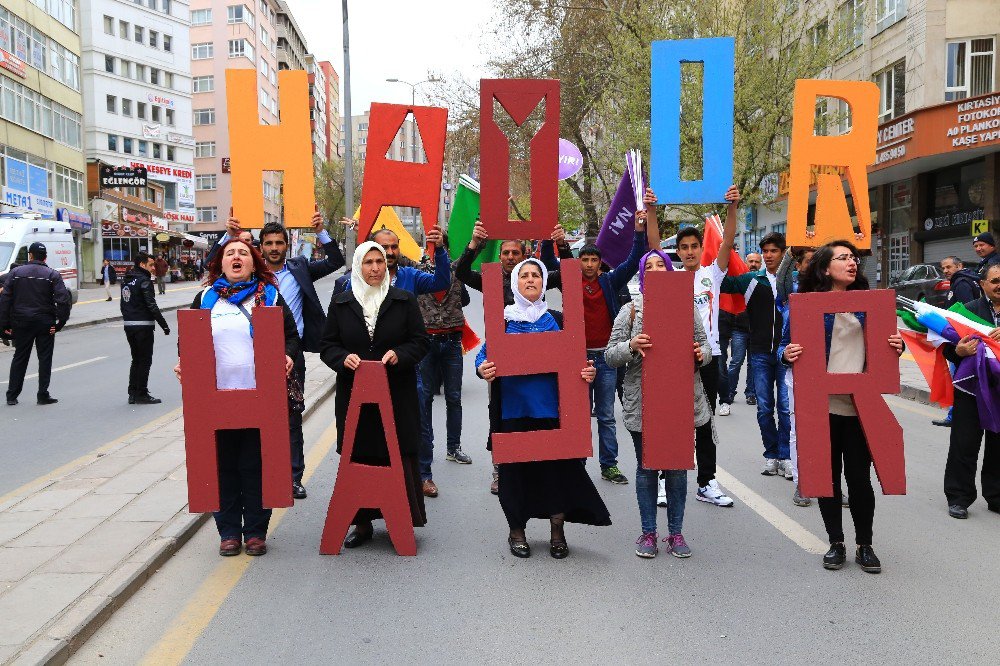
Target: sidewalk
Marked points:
92	306
76	547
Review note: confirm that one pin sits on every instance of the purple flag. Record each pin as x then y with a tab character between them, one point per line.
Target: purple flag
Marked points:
979	376
615	237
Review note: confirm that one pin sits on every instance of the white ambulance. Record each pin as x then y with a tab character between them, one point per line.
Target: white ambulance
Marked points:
19	230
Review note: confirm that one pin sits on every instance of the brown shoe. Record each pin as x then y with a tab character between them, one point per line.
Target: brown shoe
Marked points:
430	488
230	547
256	546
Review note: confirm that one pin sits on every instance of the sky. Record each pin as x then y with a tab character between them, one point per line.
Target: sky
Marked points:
400	39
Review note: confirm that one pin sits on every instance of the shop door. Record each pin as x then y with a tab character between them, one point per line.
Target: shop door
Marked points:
899	254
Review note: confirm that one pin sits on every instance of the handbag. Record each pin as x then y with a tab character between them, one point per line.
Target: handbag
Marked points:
296	395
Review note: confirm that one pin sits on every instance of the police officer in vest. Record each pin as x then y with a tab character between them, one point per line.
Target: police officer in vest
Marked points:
34	306
141	314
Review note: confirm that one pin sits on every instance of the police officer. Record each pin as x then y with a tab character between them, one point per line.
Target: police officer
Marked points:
34	306
140	314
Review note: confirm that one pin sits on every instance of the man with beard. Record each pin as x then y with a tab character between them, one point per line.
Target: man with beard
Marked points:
406	275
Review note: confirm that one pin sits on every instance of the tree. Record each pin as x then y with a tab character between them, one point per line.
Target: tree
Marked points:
331	191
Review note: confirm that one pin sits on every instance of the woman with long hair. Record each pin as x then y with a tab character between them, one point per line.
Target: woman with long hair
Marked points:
835	267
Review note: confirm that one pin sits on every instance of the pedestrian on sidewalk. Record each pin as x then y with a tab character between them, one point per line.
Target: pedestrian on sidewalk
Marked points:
627	348
374	321
559	490
161	268
967	430
109	276
296	283
836	267
140	315
239	281
34	306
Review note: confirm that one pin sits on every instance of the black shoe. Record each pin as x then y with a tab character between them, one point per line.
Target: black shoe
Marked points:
519	548
835	557
995	508
131	399
146	399
866	558
558	549
358	537
298	490
752	400
46	400
958	511
944	423
109	298
11	402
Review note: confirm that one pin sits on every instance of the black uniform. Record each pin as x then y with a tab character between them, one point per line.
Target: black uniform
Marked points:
34	301
140	314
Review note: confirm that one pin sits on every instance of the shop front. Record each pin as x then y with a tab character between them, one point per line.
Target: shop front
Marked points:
81	224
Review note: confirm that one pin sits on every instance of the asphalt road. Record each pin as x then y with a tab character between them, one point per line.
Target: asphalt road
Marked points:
753	592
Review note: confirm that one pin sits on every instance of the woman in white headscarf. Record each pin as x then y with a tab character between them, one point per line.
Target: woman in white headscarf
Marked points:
557	490
373	321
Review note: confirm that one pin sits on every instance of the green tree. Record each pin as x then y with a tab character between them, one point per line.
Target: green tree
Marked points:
331	192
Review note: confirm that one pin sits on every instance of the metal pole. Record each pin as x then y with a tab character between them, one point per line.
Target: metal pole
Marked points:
350	240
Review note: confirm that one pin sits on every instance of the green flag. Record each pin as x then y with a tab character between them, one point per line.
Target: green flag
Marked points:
910	321
960	308
464	213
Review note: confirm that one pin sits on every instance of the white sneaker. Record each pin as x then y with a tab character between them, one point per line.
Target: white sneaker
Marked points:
713	495
661	493
724	409
770	467
785	468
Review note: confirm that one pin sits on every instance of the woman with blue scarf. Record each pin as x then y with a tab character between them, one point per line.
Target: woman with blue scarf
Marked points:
240	281
559	490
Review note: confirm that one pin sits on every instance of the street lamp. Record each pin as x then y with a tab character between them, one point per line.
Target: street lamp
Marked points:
413	86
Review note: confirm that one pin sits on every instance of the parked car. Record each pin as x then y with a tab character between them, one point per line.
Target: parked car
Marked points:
922	282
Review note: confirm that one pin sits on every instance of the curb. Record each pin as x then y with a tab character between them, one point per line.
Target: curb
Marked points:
916	395
82	620
107	320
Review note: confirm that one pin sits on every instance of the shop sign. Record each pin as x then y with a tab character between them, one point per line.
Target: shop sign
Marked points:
951	220
132	216
180	139
122	230
80	221
159	99
19	199
211	237
184	178
175	216
12	64
114	177
892	140
980	227
163	237
150	131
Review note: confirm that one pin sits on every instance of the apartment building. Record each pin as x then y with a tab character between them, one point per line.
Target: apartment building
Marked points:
333	125
292	48
318	118
938	157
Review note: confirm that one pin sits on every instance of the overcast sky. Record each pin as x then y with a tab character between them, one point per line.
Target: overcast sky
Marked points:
401	39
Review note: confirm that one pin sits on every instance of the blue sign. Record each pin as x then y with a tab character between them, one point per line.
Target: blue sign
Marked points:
17	174
79	221
718	55
38	181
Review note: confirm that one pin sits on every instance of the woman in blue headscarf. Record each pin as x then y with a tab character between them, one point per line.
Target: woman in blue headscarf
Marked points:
559	490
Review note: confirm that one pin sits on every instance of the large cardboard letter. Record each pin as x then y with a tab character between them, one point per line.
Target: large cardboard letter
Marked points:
563	352
853	152
814	385
369	486
208	409
718	55
255	148
519	97
668	371
394	183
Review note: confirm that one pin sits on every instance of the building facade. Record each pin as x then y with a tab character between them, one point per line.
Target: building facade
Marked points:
318	105
334	150
291	45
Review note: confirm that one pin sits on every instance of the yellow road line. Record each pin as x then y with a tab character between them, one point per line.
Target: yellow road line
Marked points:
174	646
88	457
915	407
169	291
907	356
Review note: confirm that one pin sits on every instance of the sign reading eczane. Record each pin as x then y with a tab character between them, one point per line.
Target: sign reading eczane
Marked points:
123	176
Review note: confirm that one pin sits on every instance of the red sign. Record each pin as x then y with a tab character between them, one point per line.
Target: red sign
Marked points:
9	62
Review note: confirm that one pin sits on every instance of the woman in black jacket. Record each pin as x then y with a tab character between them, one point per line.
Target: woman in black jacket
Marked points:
373	321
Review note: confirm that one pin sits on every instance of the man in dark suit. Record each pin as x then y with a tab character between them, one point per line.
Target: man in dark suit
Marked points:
296	276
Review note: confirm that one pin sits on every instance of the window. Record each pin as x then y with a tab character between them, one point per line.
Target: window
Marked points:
154	76
112	104
127	107
127	145
69	186
113	142
140	110
888	12
168	80
202	51
205	182
139	34
126	69
140	72
208	214
239	14
201	17
204	116
265	99
204	149
156	113
170	153
201	84
265	38
156	151
143	147
154	39
170	117
123	29
852	17
109	25
109	64
263	67
892	91
240	48
969	68
167	43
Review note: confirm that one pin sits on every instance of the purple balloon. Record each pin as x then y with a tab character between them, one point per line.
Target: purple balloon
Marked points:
570	159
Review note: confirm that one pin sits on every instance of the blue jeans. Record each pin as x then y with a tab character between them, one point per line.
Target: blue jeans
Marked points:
645	492
602	398
769	374
444	362
740	340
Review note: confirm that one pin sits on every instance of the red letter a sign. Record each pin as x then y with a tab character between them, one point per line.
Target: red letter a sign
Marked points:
368	486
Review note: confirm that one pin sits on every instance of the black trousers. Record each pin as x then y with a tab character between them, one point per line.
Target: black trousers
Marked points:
963	456
26	335
140	343
241	510
295	436
710	379
850	455
704	453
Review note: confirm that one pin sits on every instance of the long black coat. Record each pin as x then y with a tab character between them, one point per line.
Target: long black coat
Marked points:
399	328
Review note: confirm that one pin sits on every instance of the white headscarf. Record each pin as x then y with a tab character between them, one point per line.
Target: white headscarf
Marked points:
369	297
523	309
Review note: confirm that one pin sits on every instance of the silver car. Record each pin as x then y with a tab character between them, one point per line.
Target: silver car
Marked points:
922	282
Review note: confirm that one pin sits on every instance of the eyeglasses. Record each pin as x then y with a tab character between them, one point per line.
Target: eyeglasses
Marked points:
848	257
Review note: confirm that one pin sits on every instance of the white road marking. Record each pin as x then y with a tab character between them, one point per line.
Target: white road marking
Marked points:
65	367
802	537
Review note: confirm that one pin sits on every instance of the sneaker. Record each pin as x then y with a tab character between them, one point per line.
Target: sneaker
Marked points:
785	468
798	499
751	400
944	423
845	501
713	495
646	545
661	492
770	467
614	475
677	546
724	409
459	456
